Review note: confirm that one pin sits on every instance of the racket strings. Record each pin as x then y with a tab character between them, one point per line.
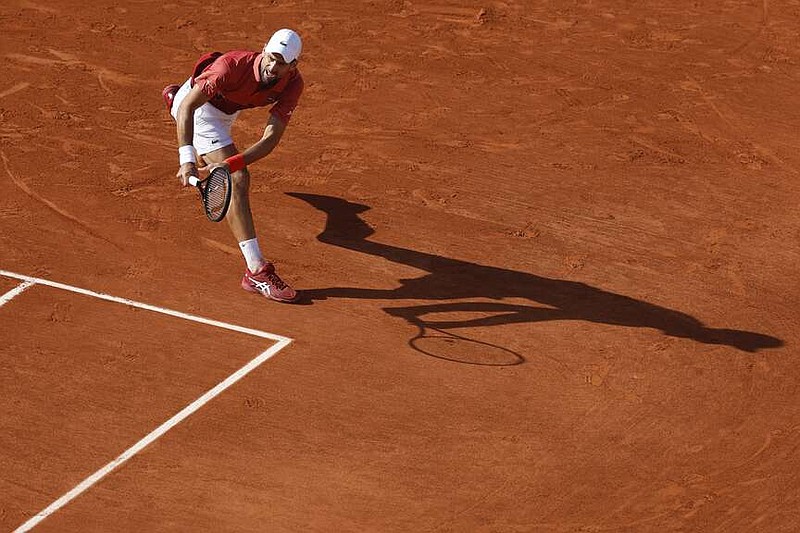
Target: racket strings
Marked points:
216	194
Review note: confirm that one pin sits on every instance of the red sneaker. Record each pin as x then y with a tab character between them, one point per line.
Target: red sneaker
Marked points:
169	95
267	282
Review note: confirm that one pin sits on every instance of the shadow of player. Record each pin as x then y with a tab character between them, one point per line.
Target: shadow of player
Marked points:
452	279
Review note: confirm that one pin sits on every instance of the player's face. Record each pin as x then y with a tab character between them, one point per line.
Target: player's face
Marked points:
273	67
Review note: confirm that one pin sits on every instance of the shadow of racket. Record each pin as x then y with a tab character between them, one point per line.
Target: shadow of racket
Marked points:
435	339
442	344
460	349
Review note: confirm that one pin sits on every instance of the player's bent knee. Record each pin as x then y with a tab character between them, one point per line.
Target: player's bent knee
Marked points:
241	181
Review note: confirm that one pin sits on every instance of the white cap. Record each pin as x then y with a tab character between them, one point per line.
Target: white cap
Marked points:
286	43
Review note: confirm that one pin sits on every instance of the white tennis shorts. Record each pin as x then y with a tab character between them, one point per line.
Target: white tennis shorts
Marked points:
212	127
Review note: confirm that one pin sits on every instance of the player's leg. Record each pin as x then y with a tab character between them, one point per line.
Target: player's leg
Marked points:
213	144
260	275
239	217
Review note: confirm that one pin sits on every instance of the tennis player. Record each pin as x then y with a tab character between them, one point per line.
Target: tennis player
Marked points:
204	109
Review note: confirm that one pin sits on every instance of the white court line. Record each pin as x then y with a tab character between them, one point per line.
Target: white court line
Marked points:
140	305
281	343
19	289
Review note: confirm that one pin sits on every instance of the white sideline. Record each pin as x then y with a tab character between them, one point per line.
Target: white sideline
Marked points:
132	303
19	289
280	343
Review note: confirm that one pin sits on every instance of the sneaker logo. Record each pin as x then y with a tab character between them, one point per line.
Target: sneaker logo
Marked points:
262	286
215	141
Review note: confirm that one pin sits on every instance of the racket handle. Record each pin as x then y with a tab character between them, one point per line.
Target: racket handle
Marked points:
193	180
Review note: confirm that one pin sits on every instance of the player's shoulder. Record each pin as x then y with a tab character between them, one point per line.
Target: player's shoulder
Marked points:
234	57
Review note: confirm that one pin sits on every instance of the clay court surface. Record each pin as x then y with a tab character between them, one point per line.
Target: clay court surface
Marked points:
548	254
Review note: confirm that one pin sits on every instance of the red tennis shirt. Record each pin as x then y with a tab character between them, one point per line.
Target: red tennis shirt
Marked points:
233	82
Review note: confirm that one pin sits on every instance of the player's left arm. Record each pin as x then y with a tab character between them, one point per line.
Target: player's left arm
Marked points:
262	148
279	117
269	140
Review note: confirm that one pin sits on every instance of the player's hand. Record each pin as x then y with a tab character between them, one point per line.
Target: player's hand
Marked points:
186	170
208	169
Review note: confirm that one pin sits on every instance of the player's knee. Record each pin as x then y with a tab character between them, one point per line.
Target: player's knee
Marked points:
241	180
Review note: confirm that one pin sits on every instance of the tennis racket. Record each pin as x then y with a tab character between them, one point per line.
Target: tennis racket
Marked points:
215	193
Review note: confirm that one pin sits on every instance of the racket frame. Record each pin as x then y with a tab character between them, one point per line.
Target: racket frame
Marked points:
201	187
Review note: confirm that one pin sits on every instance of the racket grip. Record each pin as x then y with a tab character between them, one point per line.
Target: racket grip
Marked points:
193	180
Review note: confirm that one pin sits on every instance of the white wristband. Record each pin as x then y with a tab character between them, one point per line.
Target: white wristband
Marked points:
186	154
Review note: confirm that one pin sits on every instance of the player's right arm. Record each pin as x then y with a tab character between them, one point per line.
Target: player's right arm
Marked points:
185	125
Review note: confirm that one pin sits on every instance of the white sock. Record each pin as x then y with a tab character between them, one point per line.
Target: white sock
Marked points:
252	254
